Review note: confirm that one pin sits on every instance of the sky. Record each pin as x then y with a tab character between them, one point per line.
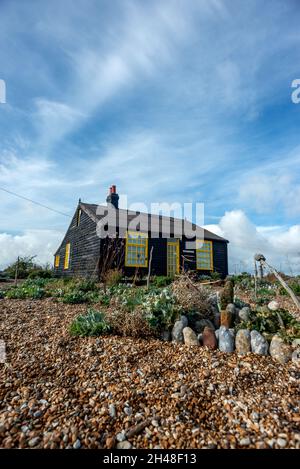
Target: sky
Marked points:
172	101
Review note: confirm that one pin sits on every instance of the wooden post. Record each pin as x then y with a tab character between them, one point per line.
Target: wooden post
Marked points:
17	271
149	268
255	279
261	270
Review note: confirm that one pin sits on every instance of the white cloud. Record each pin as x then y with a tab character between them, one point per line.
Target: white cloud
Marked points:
264	191
42	243
280	245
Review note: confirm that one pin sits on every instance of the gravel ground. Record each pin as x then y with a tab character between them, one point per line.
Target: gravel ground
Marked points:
62	392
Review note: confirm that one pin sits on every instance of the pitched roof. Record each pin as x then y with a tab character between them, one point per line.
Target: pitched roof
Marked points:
147	218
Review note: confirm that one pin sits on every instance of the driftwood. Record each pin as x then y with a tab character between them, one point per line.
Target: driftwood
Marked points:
262	260
202	283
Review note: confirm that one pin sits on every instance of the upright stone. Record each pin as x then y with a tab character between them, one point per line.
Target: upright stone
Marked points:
190	337
226	340
209	338
259	345
226	317
243	342
279	350
177	335
244	314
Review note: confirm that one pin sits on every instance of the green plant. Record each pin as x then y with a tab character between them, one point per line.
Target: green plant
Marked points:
2	294
270	322
91	324
24	266
215	276
40	273
34	292
86	285
74	296
294	285
160	281
240	303
265	292
161	309
262	300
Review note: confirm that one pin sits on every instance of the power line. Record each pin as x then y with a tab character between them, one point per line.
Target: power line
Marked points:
34	202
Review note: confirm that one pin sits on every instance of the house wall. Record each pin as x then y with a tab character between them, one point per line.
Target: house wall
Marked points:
220	258
84	249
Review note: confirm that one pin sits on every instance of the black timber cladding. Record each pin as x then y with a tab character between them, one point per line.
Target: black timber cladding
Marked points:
85	246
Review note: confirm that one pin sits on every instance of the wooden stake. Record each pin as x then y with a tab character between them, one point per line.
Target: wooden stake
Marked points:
149	268
255	279
17	271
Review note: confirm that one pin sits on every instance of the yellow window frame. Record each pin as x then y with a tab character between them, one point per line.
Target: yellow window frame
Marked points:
67	256
176	244
205	250
131	240
57	260
78	216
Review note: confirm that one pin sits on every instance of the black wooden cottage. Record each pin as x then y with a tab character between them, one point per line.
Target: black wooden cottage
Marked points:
84	252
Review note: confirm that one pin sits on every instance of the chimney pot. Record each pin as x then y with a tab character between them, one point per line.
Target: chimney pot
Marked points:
113	197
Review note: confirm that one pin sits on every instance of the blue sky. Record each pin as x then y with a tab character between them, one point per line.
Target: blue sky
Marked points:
173	101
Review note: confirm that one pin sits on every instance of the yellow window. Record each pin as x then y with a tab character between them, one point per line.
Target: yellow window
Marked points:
57	259
136	249
78	217
204	255
173	257
67	256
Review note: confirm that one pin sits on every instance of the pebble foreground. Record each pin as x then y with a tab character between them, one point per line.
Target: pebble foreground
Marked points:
57	391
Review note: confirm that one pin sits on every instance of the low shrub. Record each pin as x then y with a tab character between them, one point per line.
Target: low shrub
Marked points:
161	281
240	303
215	276
86	285
270	322
294	285
40	273
262	300
265	292
140	312
91	324
113	277
74	296
161	309
2	294
33	292
129	323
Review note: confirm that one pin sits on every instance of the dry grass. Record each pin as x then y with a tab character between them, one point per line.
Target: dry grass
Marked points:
128	323
191	297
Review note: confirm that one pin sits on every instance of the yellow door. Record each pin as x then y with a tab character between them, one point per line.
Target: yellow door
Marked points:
173	258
